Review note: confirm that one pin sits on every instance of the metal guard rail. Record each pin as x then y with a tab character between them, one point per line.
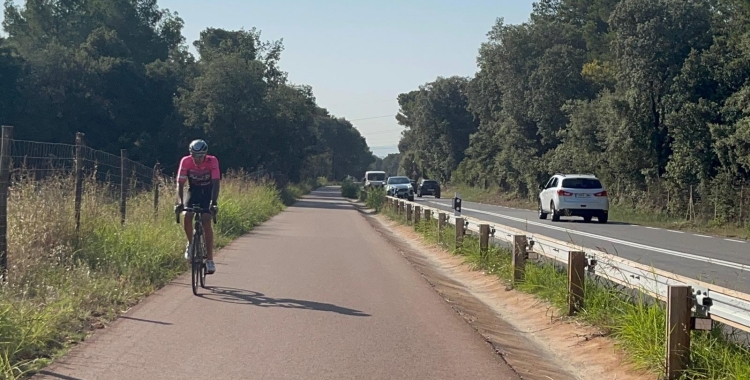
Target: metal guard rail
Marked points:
723	305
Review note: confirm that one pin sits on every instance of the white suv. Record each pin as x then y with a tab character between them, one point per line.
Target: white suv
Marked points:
574	195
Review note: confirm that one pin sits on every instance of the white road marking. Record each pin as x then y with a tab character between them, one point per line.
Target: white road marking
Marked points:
705	236
653	228
736	241
709	260
675	231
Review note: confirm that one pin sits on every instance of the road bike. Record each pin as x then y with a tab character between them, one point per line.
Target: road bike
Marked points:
197	251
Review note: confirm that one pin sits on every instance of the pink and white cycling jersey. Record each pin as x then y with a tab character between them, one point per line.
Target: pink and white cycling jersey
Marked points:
198	175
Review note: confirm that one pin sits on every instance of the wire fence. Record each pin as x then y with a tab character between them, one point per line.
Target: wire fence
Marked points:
22	160
723	200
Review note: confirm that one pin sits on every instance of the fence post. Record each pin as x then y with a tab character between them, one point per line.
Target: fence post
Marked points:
427	215
459	232
484	238
519	258
123	184
441	221
679	303
79	178
156	182
408	213
417	215
576	280
5	148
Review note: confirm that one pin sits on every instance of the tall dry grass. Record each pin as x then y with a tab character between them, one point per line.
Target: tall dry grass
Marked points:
61	284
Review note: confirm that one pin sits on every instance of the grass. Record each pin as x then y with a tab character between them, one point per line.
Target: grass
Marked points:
63	285
349	189
617	212
636	323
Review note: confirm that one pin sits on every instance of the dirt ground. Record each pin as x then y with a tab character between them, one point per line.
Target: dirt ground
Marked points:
525	330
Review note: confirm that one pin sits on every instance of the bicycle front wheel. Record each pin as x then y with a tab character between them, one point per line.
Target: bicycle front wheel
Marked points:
203	254
197	263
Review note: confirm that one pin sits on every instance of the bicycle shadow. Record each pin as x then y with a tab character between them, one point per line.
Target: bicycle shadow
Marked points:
247	297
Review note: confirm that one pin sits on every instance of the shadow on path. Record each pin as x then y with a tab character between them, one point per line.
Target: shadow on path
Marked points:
247	297
57	375
325	198
144	320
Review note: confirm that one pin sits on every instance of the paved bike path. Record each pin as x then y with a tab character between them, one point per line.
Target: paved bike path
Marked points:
314	293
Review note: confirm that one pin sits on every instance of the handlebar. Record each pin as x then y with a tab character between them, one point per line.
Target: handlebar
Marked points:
196	210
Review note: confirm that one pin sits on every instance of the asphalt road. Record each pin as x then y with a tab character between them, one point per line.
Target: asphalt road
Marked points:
723	261
315	293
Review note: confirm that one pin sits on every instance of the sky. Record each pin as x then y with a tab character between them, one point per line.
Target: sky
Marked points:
358	56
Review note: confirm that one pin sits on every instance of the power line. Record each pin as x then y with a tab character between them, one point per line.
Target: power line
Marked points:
374	117
382	131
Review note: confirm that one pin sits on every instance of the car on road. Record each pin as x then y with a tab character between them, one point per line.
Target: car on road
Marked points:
400	187
428	186
374	178
580	195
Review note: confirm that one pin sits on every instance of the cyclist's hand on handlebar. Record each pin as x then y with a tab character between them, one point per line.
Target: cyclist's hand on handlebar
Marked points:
178	208
214	208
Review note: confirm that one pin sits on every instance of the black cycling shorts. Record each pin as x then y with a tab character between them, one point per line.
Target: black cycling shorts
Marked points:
198	195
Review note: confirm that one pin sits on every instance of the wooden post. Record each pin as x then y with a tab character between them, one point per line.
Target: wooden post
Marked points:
459	232
123	184
417	215
484	238
156	182
5	148
679	303
519	258
79	179
427	215
576	281
408	213
442	218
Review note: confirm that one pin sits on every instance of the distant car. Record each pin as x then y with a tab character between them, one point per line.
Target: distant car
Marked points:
574	195
428	186
400	187
374	178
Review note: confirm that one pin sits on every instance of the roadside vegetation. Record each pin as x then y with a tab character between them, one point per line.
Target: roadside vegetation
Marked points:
650	96
373	198
63	285
349	189
637	324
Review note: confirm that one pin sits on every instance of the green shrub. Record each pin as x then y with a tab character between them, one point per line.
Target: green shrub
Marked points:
349	189
376	198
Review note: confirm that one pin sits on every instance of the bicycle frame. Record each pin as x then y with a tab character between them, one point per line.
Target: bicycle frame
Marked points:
198	260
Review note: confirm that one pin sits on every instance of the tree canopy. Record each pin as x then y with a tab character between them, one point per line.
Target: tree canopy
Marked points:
651	96
120	71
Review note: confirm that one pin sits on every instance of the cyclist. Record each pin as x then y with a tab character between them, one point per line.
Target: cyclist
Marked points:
201	171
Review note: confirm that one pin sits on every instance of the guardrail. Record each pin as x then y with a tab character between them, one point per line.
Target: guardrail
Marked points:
684	296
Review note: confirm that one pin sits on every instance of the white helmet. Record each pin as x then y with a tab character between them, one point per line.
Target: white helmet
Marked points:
198	146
